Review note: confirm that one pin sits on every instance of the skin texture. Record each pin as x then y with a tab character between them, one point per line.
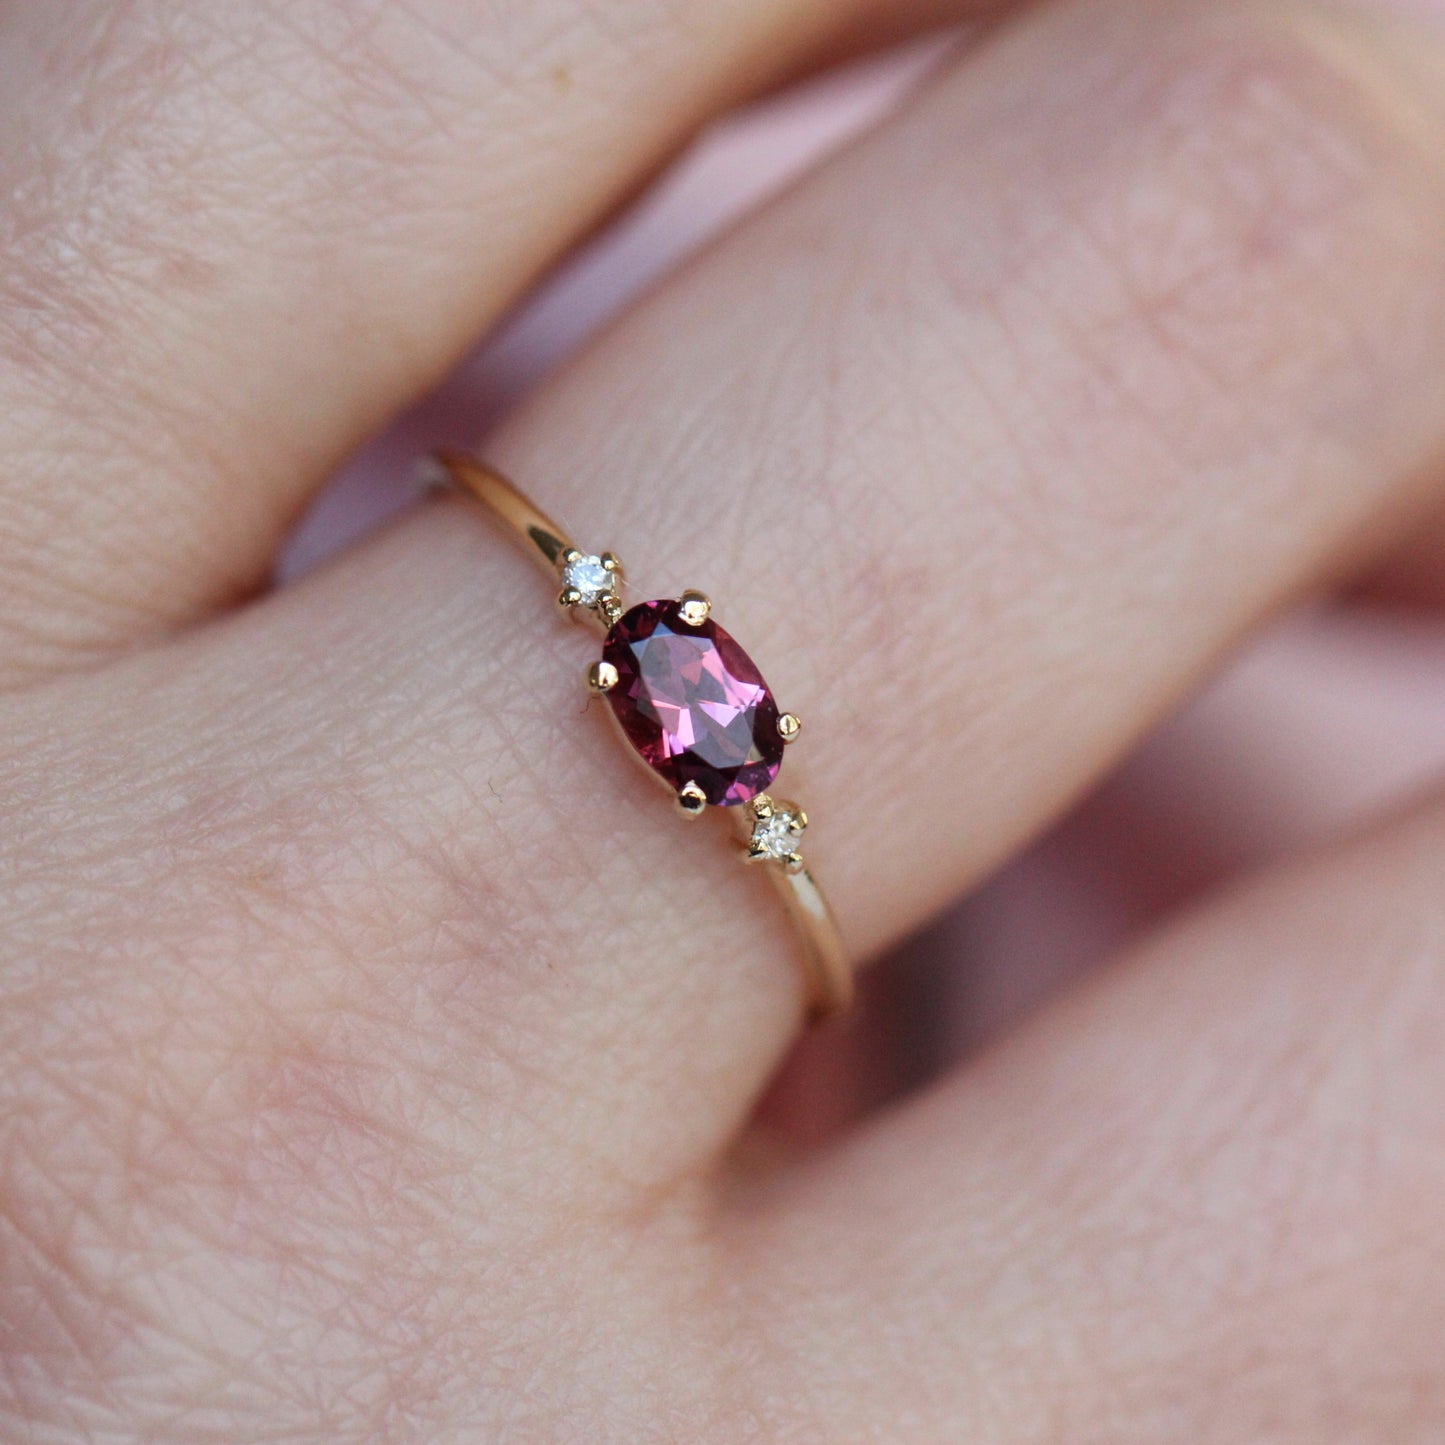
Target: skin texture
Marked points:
378	1060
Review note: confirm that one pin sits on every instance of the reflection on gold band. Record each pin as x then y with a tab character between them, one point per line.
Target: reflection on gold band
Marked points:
827	977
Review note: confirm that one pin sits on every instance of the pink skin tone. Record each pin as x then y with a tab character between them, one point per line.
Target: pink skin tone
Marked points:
381	1060
1323	722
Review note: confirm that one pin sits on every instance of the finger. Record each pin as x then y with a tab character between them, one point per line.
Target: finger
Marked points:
1320	725
1196	1200
339	908
1114	472
252	232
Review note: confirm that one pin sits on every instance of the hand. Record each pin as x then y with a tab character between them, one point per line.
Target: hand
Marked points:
375	1056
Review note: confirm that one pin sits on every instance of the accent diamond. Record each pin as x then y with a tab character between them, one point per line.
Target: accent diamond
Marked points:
777	833
590	578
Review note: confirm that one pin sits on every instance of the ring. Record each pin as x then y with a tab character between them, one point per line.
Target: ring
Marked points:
693	707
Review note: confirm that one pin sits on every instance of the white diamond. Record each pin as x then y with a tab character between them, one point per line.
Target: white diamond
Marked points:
590	579
778	834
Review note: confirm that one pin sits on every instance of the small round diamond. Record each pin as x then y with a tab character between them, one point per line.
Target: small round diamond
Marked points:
590	578
778	834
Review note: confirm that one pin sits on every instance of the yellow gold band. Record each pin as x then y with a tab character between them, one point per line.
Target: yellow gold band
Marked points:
770	828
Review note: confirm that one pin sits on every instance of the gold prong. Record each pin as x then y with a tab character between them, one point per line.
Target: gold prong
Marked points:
762	806
569	555
793	862
693	607
601	677
691	799
755	853
789	726
569	597
800	821
609	608
612	564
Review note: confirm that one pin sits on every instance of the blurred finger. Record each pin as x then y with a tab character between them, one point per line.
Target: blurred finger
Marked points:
1194	1201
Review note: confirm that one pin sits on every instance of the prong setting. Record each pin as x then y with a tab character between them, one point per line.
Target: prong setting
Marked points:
694	707
776	833
590	583
691	800
601	678
694	608
789	726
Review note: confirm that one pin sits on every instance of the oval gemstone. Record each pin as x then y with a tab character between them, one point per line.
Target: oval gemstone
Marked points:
693	704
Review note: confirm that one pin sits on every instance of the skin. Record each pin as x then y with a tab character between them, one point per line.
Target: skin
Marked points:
376	1064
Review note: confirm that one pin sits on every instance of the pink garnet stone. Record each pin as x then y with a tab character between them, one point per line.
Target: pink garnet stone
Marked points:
693	704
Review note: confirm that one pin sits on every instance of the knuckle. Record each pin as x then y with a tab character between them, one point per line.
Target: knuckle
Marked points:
1216	256
1260	176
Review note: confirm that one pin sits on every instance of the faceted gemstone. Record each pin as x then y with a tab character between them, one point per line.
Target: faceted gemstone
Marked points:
590	578
693	704
779	834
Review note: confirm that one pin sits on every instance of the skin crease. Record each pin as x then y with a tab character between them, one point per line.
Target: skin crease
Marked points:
378	1058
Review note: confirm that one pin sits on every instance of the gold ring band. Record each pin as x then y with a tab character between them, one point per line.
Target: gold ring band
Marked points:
694	708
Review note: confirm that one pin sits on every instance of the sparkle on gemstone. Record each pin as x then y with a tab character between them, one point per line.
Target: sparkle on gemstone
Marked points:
777	835
693	703
589	577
